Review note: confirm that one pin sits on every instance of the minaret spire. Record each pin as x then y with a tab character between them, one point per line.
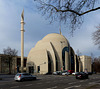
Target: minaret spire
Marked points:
60	30
22	16
22	39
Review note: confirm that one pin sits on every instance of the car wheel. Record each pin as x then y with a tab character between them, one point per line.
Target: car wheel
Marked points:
87	77
34	78
22	80
76	78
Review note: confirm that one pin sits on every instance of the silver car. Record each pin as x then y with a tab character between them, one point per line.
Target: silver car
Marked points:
24	76
57	73
65	73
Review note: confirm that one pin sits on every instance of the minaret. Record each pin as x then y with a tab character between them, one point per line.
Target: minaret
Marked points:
22	39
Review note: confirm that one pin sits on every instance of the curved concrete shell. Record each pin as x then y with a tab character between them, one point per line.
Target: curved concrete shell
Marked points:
48	56
52	53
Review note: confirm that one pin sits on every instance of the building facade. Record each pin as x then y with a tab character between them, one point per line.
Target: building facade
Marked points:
14	66
54	53
86	63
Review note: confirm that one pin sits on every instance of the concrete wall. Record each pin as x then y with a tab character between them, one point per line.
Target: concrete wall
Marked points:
4	66
86	63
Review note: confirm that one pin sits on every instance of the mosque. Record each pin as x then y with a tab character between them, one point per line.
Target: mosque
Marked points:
54	53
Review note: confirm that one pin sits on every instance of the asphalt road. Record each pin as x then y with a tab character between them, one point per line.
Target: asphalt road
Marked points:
52	82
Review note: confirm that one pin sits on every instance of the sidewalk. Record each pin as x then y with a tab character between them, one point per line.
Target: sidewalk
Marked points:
6	77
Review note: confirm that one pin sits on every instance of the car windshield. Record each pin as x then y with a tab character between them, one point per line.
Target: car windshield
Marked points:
65	71
18	74
26	74
82	73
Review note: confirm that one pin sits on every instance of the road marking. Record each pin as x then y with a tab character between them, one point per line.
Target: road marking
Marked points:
68	87
96	82
39	83
72	87
76	82
92	83
72	83
78	86
28	85
52	87
8	82
82	81
47	82
14	87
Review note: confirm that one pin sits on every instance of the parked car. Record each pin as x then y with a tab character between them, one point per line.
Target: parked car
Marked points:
94	72
70	71
81	75
57	73
74	73
90	73
65	73
24	76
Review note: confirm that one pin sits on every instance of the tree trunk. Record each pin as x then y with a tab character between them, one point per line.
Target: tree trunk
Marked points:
9	67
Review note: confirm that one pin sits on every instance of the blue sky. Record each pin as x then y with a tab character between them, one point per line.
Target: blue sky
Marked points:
37	27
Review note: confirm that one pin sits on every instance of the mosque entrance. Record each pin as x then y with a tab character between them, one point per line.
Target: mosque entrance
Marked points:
31	69
56	63
50	64
77	65
63	56
72	61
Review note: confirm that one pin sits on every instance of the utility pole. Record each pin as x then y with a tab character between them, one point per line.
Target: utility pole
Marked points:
22	40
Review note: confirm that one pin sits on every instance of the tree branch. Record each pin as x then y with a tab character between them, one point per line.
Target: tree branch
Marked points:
73	11
90	11
67	11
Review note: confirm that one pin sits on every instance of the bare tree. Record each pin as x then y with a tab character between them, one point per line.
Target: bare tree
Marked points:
96	37
96	64
67	11
9	54
92	57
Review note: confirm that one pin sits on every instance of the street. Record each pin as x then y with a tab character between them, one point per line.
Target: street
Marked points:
53	82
